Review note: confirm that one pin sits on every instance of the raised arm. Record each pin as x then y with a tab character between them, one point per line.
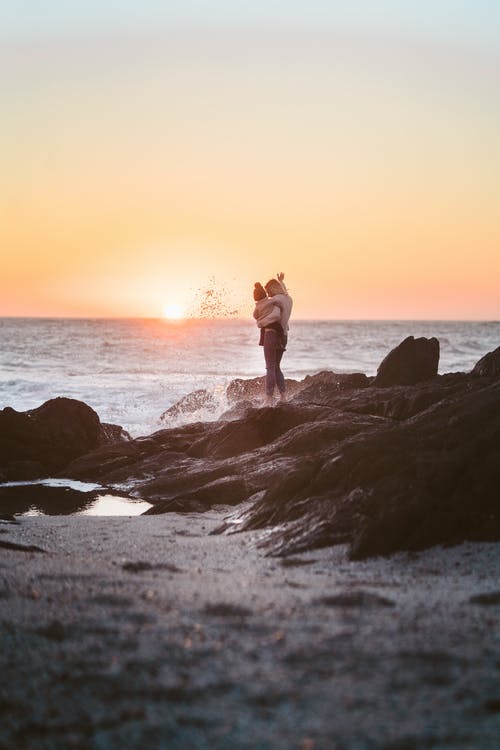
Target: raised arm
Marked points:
281	278
284	301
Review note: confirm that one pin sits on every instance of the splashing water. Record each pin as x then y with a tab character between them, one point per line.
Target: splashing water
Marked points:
215	300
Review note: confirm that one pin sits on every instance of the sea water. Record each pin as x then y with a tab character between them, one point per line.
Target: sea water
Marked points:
131	370
59	496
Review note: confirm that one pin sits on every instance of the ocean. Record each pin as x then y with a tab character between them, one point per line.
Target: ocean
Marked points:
131	370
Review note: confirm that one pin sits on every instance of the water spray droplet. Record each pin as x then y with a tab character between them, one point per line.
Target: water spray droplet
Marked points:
215	300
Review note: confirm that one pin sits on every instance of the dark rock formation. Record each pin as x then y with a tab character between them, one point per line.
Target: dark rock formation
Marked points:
326	383
489	365
40	442
430	479
240	394
258	428
413	361
380	469
401	467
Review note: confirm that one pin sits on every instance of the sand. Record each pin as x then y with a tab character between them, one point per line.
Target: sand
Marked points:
148	632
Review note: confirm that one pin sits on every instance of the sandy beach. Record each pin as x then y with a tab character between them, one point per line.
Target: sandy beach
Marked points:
150	632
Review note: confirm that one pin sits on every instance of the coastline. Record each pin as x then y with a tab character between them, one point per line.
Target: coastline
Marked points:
172	631
130	371
151	632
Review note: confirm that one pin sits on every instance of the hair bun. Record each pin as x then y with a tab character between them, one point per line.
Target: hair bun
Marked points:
258	291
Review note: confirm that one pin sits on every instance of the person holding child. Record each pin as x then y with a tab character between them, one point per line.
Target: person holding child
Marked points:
273	306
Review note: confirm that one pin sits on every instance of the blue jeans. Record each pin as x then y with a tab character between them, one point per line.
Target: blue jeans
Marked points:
273	353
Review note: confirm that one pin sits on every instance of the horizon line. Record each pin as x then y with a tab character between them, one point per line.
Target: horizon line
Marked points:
180	321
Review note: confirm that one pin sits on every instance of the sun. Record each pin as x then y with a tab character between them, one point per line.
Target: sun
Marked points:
173	311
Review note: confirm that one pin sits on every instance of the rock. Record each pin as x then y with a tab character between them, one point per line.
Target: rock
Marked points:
489	365
193	402
25	470
137	459
400	467
113	433
237	411
257	428
240	394
254	388
432	479
325	385
412	361
223	491
41	441
379	469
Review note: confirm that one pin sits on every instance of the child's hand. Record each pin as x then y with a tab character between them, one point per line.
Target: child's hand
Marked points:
280	275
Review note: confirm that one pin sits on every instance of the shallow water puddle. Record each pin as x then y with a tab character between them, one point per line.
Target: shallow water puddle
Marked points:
112	505
62	497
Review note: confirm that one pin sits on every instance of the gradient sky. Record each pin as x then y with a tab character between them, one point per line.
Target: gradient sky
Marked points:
147	148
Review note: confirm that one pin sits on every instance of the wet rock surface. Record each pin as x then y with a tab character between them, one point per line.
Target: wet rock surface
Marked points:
411	362
40	442
348	459
489	365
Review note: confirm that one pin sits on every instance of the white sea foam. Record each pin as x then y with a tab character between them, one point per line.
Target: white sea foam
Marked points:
131	371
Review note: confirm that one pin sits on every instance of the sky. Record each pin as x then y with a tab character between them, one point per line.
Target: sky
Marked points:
150	150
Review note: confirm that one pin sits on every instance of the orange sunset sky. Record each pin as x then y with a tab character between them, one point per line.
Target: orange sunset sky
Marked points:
146	150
